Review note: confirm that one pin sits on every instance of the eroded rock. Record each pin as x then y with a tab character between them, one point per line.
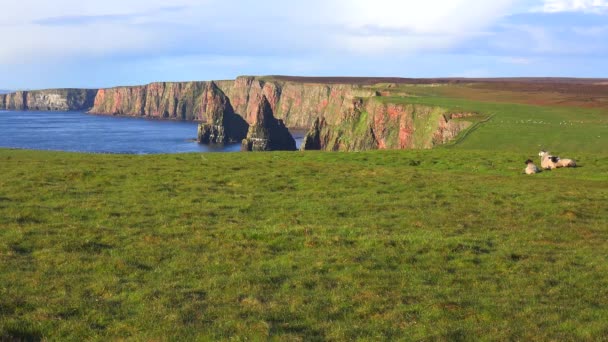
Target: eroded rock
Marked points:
267	133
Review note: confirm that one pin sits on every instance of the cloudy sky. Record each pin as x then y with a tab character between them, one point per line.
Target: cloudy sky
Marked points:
78	43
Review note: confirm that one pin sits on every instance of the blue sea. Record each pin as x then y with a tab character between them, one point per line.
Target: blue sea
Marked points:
82	132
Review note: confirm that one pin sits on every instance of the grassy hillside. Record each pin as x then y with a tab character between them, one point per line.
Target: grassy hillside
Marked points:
453	243
518	126
449	244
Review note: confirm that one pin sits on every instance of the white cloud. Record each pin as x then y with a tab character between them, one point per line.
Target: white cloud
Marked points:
589	6
36	31
411	26
26	11
42	30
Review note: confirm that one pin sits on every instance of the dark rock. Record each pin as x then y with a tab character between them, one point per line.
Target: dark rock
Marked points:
223	124
312	140
267	133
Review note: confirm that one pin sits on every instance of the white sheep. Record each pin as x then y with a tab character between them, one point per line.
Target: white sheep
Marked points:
531	168
547	161
565	162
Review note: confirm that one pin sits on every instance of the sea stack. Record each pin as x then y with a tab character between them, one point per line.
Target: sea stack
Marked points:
222	124
267	133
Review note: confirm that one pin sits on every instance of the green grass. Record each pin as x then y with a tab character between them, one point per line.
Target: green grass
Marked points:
453	243
520	127
447	244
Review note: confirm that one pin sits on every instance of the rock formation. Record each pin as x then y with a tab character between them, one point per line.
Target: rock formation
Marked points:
340	117
297	104
373	124
450	126
16	101
52	99
313	139
221	124
291	102
267	133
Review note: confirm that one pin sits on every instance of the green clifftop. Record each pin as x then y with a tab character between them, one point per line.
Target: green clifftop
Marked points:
374	124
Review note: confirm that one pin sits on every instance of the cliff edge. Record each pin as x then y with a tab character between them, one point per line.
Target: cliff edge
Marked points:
267	133
50	99
339	117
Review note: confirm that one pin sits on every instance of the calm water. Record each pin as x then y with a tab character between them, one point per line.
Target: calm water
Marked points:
81	132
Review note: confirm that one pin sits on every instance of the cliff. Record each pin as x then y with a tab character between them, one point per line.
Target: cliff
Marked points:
340	117
221	124
374	124
297	104
51	99
16	101
267	133
163	100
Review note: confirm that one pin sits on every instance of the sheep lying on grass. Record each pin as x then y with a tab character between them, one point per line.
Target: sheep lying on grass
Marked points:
565	163
531	168
549	162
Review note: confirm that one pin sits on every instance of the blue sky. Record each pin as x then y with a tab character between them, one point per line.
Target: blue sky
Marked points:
77	43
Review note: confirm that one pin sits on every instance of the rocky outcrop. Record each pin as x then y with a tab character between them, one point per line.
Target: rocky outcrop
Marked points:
16	101
219	104
345	124
221	124
374	124
297	104
450	126
340	117
52	99
315	138
267	133
128	101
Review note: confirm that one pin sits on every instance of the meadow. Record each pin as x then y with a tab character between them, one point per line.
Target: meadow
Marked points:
453	243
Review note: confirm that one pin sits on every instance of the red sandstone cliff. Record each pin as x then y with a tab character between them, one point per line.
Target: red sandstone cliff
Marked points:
375	124
339	116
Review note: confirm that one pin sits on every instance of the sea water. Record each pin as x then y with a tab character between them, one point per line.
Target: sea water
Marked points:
82	132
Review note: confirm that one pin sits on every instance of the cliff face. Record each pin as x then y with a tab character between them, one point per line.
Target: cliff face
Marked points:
120	101
16	101
341	117
297	104
163	100
52	99
221	124
373	124
267	133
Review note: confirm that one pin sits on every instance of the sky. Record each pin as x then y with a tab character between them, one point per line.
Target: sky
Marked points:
85	43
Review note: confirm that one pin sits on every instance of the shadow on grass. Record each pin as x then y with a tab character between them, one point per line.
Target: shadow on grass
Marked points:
20	332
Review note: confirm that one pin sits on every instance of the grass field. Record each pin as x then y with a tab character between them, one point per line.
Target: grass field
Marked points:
518	127
446	244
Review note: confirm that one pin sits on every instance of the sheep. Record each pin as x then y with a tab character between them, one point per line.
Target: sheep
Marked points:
531	168
547	161
566	163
